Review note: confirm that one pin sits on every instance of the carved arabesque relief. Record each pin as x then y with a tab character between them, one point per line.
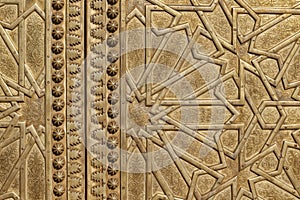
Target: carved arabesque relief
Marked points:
149	99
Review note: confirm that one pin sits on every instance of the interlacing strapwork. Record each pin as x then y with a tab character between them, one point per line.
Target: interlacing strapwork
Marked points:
211	106
22	98
149	99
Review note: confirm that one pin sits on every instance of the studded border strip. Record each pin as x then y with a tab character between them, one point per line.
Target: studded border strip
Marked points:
113	110
58	91
103	71
65	88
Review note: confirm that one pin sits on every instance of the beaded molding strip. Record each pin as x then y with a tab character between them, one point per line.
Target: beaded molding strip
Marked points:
57	83
103	112
84	88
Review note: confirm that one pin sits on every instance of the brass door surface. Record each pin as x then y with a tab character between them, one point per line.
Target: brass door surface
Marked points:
149	99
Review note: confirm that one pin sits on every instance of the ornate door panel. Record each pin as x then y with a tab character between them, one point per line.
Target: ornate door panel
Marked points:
208	100
23	151
149	99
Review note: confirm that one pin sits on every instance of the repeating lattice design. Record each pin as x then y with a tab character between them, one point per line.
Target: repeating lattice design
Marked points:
22	91
149	99
212	90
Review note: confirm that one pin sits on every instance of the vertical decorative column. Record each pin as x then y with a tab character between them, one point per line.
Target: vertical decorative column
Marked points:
76	98
57	84
96	99
113	94
102	99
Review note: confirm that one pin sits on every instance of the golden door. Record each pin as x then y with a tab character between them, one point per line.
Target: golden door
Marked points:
149	99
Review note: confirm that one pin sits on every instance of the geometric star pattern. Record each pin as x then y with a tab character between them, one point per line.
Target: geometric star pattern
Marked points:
228	66
22	76
149	99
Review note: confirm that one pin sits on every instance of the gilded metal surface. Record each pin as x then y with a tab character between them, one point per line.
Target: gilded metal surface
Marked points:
22	99
149	99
